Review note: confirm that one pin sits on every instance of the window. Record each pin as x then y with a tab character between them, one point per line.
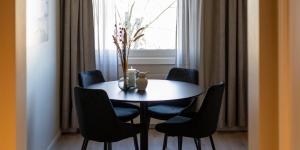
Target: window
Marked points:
161	34
158	46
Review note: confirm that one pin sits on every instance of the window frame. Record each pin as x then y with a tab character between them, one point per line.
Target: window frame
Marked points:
152	56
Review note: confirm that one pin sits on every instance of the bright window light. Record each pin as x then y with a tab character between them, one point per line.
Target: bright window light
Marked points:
161	34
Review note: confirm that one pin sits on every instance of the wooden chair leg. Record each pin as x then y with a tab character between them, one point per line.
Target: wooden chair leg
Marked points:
131	121
136	144
212	143
84	144
109	146
179	142
165	144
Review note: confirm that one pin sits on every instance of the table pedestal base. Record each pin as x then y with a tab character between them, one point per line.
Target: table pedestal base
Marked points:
144	119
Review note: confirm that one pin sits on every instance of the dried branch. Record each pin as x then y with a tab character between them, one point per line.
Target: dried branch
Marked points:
135	39
130	13
159	14
138	31
122	37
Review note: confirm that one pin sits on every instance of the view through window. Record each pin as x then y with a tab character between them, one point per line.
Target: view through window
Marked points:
160	14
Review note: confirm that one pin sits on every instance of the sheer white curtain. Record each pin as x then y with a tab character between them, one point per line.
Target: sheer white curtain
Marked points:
188	33
104	21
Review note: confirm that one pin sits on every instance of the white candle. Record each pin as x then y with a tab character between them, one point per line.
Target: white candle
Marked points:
131	76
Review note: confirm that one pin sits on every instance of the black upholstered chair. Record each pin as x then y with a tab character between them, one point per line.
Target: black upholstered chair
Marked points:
125	111
98	121
202	124
166	110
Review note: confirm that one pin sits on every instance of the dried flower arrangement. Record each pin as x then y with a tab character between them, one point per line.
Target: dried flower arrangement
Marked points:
123	43
123	37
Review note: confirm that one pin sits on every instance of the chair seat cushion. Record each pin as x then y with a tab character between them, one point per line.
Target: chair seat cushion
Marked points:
164	112
124	104
175	126
126	113
124	130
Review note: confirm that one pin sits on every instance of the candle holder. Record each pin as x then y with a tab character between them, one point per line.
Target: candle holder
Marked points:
131	73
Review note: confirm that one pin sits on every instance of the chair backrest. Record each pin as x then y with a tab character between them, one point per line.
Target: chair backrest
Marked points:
184	75
87	78
208	115
96	117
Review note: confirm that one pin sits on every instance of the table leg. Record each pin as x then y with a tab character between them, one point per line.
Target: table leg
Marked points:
144	119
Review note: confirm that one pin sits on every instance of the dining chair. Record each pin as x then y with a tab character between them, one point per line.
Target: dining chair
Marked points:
98	121
125	111
202	124
167	110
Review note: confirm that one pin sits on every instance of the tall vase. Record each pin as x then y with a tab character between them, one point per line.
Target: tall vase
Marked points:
123	81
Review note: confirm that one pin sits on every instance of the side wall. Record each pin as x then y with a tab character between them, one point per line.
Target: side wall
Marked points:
263	74
284	76
42	73
21	74
268	72
274	54
253	74
7	76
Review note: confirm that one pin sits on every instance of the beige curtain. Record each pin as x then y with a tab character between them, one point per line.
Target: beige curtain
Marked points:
224	57
78	54
212	38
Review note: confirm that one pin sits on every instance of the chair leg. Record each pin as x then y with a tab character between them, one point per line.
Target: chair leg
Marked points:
109	146
179	142
105	145
196	142
165	144
84	144
212	143
131	121
136	144
199	144
148	120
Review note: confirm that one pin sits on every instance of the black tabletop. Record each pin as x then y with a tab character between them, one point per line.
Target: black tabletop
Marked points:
157	90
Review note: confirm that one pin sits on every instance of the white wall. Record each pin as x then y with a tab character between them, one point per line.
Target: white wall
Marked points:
253	74
42	77
21	74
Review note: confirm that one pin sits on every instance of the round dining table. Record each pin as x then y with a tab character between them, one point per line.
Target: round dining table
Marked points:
156	91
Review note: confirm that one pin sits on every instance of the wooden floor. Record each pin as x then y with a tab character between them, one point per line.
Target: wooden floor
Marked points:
223	141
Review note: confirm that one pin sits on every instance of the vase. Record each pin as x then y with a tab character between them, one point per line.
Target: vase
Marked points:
123	81
123	84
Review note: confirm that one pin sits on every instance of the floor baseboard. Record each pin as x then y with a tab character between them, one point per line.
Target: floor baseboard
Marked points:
54	140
